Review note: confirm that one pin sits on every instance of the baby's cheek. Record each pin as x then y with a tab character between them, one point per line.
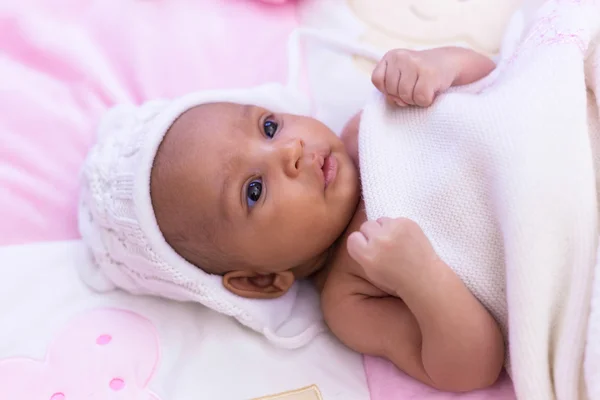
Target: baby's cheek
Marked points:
349	137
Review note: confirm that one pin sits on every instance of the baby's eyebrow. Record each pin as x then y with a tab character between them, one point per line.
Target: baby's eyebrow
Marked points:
224	201
243	125
246	111
228	172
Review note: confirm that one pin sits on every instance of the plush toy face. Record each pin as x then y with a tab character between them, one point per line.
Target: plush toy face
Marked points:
426	23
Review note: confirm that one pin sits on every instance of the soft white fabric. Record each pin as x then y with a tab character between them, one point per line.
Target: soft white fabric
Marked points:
203	354
501	176
591	367
592	353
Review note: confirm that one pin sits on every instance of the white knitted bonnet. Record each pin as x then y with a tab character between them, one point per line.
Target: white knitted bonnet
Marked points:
118	225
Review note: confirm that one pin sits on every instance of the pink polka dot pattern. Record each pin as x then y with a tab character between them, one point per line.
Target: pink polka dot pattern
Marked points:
103	340
81	356
117	384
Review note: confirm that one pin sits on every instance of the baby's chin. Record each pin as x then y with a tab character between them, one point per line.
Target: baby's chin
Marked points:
349	183
314	268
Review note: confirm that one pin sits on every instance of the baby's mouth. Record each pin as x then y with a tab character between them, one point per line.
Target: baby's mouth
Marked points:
329	168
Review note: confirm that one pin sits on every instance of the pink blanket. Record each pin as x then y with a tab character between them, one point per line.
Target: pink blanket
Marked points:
386	382
64	62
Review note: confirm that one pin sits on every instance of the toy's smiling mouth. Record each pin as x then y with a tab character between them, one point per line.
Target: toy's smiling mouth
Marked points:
422	15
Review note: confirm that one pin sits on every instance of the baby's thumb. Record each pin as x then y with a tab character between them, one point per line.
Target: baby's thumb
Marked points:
357	246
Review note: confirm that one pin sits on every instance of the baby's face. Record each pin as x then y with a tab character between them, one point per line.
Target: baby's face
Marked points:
274	191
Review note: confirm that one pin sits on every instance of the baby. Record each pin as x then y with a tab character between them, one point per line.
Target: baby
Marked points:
264	199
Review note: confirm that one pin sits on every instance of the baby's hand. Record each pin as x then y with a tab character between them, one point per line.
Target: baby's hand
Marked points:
408	77
392	252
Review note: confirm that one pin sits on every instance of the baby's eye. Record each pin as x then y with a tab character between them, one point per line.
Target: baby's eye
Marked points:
270	127
253	192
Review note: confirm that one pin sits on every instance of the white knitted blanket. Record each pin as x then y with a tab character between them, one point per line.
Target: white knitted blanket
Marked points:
502	178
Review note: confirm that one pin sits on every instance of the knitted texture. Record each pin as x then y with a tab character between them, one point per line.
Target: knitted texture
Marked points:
501	176
119	227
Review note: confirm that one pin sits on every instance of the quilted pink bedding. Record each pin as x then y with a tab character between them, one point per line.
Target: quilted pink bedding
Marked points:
64	62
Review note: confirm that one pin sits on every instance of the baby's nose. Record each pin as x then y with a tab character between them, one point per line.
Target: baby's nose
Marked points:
291	152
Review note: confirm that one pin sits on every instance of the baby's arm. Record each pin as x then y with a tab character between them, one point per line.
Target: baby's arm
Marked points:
409	77
419	314
470	65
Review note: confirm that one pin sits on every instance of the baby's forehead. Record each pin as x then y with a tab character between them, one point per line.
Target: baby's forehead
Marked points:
211	126
216	113
220	122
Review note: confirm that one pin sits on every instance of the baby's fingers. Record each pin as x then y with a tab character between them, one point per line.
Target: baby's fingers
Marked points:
371	229
357	247
425	89
392	79
395	100
406	86
378	76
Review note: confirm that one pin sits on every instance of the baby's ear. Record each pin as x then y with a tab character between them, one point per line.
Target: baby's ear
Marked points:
253	285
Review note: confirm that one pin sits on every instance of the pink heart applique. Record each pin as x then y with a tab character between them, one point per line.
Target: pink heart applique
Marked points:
102	354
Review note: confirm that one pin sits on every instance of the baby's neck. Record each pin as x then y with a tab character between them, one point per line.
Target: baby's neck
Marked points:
319	277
